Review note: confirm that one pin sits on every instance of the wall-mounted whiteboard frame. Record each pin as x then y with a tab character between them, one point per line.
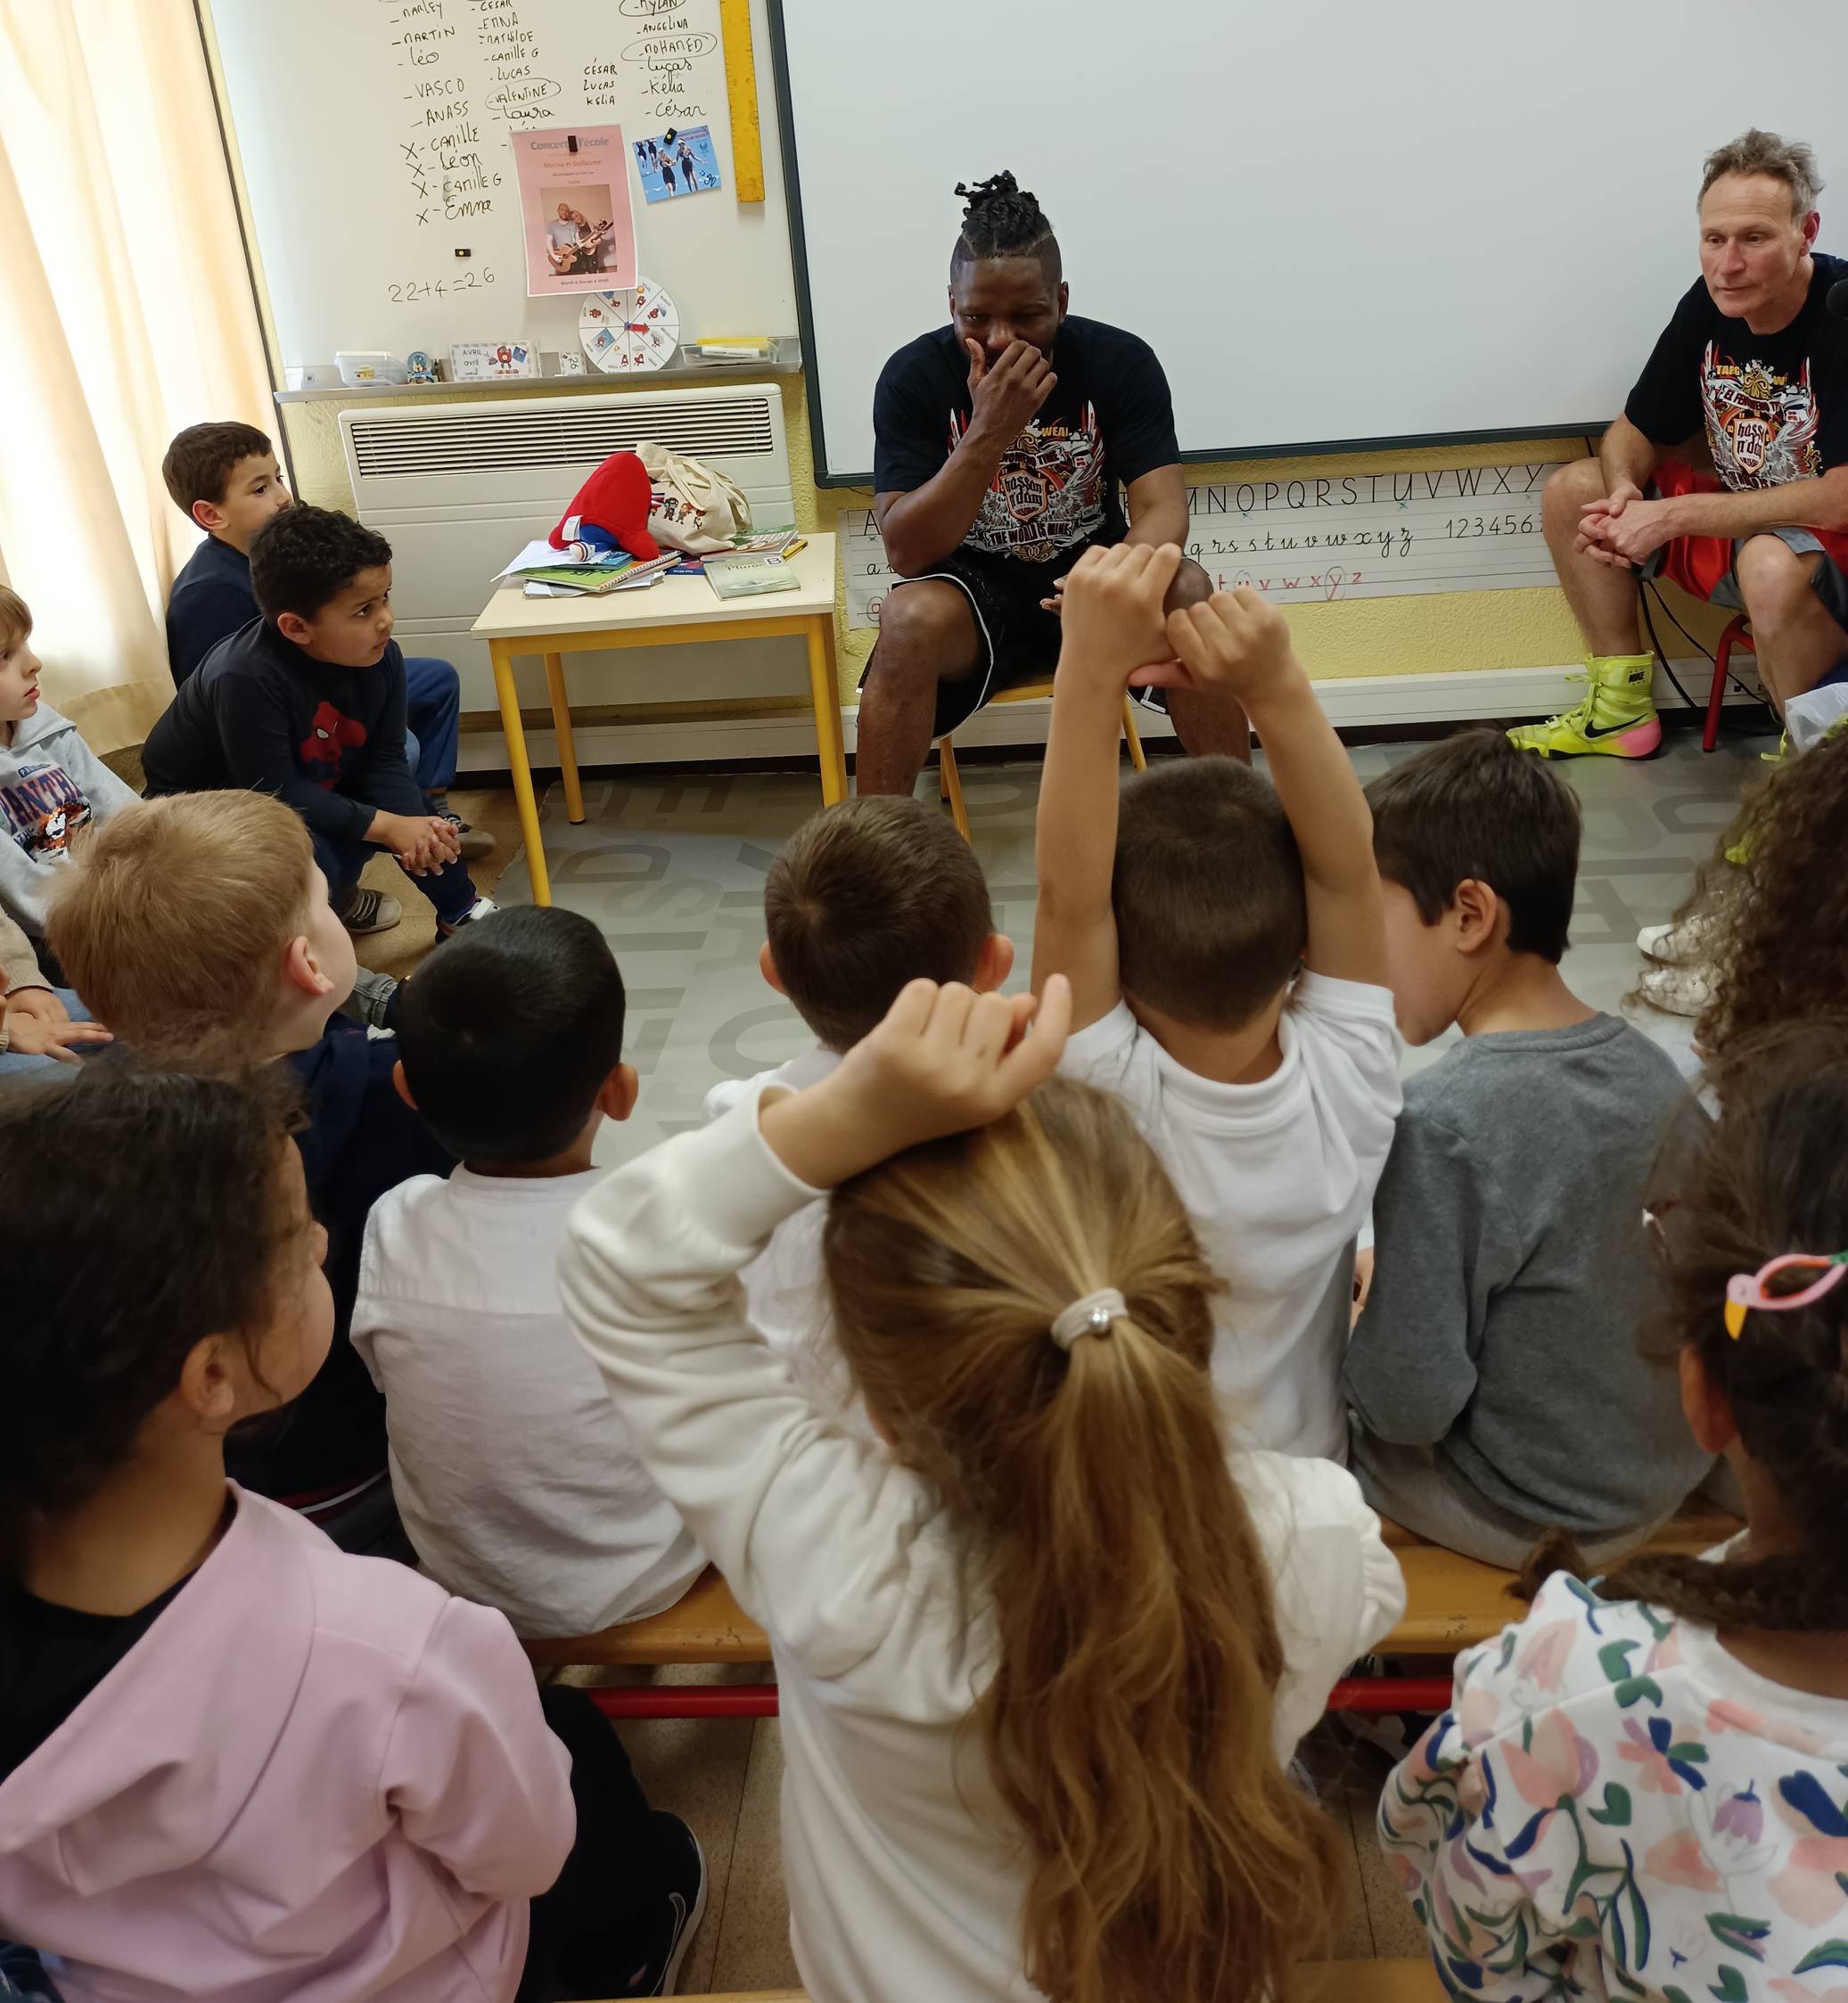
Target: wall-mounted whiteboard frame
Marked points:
312	104
1554	154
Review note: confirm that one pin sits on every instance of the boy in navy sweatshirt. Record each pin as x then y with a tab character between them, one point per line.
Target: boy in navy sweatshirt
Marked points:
225	477
307	702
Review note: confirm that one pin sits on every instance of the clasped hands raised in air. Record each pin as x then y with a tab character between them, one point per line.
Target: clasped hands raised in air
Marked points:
1235	641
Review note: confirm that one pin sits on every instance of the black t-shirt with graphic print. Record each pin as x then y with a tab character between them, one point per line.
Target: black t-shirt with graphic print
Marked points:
1775	406
1109	420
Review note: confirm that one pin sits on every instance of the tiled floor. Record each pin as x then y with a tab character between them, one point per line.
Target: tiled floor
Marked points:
673	871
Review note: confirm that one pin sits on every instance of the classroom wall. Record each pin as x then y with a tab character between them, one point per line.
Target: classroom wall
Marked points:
1435	634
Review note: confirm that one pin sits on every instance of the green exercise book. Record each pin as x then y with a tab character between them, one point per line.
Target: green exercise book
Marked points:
593	580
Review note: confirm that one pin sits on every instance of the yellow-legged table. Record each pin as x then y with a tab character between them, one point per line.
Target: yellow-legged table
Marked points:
666	614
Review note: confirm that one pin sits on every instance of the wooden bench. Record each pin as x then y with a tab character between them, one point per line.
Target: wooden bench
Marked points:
1452	1602
1323	1981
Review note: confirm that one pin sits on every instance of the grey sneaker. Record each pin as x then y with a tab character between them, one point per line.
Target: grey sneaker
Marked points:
476	841
369	911
371	1000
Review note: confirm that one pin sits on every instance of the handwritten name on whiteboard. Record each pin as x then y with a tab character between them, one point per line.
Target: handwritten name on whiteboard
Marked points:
1372	535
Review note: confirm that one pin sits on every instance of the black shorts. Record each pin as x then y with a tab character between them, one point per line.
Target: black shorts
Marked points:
1017	638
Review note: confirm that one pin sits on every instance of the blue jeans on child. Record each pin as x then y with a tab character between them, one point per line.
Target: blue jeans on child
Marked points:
433	693
451	889
17	1063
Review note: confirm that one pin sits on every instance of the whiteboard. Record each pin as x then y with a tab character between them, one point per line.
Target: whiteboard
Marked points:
1338	222
374	136
1365	532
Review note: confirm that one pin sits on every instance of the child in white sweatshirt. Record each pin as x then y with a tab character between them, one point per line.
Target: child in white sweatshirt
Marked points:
865	897
1042	1656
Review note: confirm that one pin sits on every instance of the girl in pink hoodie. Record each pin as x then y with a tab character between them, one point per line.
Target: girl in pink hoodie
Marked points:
234	1762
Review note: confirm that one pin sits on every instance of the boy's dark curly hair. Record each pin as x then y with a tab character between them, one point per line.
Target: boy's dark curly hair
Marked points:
1772	900
304	557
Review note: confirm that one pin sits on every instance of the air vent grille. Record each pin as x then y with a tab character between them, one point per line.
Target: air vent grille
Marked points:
510	439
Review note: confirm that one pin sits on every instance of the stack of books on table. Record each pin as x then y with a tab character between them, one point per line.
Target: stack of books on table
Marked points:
545	572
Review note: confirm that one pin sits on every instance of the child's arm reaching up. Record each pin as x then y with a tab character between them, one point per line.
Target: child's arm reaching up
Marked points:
1112	626
1239	643
809	1529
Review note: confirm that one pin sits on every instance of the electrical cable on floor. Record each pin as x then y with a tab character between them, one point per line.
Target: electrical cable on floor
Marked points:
1642	599
1654	590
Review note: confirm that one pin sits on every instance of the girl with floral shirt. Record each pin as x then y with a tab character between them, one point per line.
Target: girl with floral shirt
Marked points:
1642	1790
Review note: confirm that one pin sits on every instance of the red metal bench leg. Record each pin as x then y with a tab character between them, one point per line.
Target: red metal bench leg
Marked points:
1735	635
759	1700
1391	1693
688	1700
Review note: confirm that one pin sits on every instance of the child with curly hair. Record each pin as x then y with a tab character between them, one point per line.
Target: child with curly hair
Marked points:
1750	946
1639	1790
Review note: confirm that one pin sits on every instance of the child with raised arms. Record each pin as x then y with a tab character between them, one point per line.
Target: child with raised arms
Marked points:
1042	1657
1224	937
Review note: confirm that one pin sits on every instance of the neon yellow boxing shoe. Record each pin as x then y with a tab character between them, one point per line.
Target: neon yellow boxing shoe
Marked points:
1617	720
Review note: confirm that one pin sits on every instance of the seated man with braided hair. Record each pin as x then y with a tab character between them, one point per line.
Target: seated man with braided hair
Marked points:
1000	442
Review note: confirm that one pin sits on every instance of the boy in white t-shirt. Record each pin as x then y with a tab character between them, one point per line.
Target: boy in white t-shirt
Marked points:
512	1468
1181	915
865	897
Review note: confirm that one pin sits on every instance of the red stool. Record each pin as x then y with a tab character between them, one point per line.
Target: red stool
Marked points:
1736	635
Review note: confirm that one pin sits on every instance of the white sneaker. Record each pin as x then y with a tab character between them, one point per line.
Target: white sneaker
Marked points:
482	907
1675	945
1677	990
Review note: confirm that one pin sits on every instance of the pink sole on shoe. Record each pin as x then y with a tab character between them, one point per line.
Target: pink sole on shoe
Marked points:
1642	742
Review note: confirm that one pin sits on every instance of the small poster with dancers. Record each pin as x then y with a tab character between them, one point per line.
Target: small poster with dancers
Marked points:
574	204
676	162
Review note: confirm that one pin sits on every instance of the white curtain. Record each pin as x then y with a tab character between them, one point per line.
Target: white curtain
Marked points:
125	314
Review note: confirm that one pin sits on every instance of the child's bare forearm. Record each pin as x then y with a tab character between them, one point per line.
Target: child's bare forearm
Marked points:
1074	927
1315	779
1327	812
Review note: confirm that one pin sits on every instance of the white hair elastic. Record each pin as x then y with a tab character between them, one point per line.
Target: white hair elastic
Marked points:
1092	1316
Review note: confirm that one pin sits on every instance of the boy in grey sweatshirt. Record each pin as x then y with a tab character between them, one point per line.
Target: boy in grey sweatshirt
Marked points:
51	782
1494	1377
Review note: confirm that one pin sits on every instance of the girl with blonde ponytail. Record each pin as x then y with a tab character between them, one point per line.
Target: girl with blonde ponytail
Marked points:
1041	1659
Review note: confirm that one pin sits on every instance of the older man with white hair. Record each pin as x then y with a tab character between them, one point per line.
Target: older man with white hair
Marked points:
1753	514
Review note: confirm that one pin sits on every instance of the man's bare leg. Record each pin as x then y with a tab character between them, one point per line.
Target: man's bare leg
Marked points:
1206	724
1797	640
1603	598
926	635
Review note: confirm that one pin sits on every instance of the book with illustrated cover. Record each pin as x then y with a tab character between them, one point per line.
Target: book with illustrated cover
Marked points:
749	576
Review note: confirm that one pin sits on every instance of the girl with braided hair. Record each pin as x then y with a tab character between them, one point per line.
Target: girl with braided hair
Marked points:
1642	1789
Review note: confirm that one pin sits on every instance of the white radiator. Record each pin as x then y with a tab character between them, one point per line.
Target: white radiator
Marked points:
458	490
